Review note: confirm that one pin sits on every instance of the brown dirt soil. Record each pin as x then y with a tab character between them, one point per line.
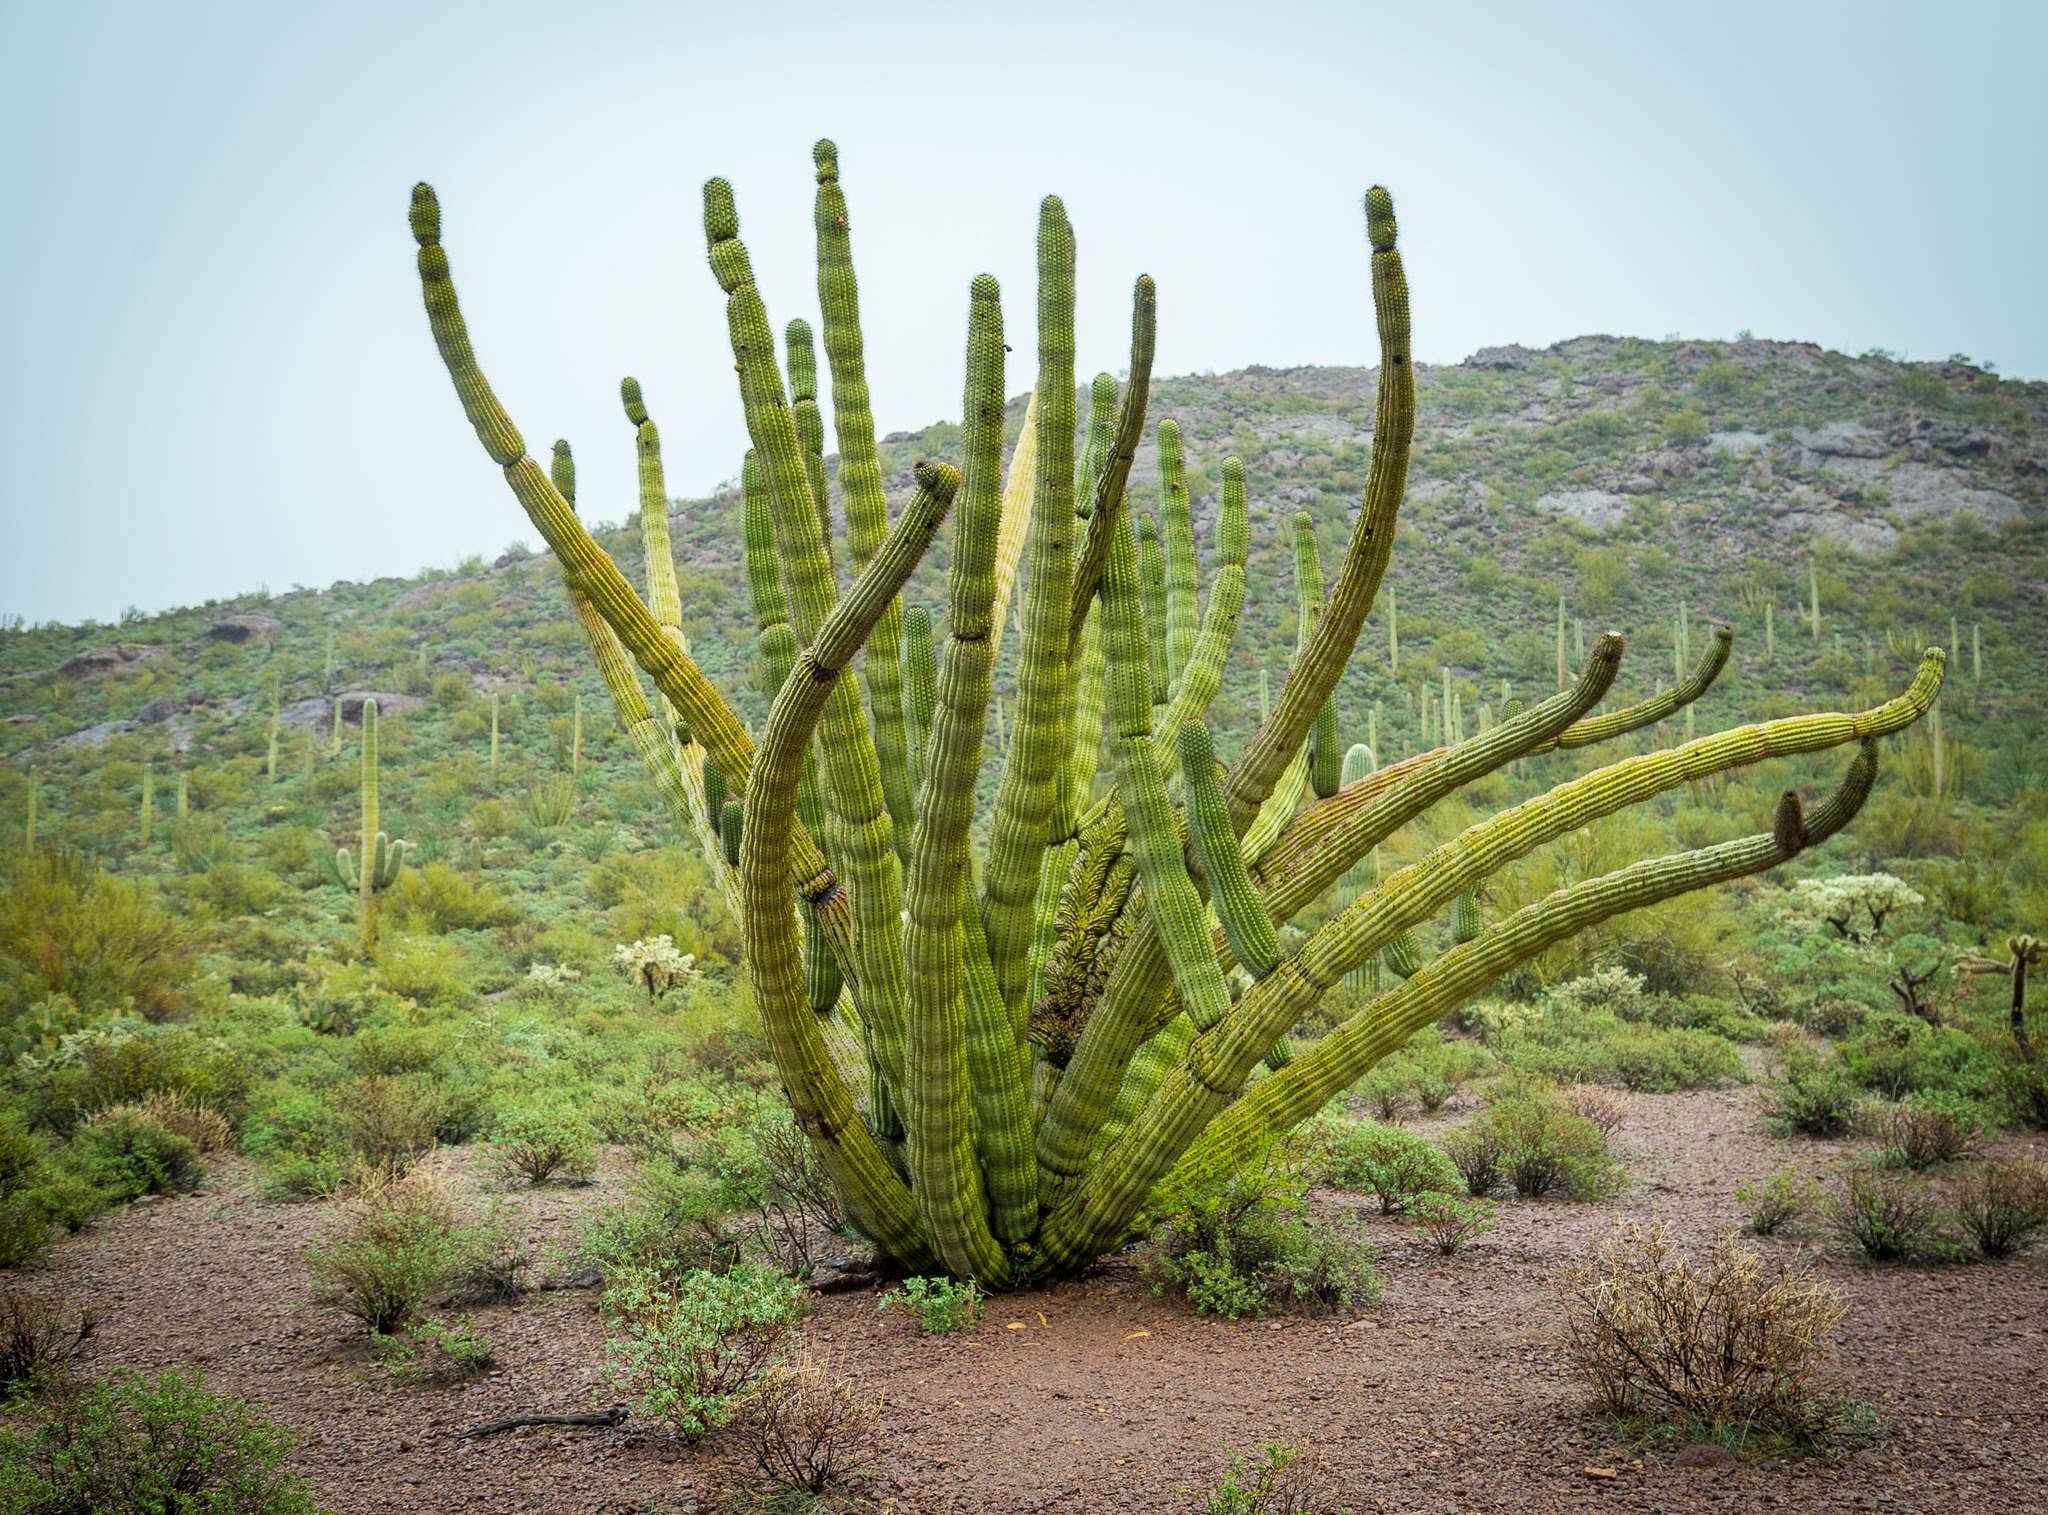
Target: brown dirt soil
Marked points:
1095	1396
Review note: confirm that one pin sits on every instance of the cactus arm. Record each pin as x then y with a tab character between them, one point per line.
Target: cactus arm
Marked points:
1344	1056
1115	471
997	1075
1231	890
1372	537
1175	904
1200	674
863	835
1152	591
920	689
809	420
345	869
764	572
1584	733
877	1198
1177	528
937	1109
1020	490
1025	795
860	478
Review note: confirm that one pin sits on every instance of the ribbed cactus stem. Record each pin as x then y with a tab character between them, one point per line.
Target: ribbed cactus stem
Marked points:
1977	652
1177	532
1245	922
729	821
334	732
1770	632
920	689
1152	580
576	741
1813	598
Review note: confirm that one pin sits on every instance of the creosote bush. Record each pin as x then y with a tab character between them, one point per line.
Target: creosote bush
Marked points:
396	1245
1888	1217
39	1340
2002	1205
1451	1221
543	1142
1729	1345
1281	1480
1775	1202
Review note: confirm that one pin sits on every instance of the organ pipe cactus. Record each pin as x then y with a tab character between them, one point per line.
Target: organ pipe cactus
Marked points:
375	869
1029	1043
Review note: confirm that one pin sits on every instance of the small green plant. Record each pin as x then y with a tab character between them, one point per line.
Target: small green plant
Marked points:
943	1306
2001	1205
1475	1150
1452	1221
437	1351
1242	1247
1774	1202
126	1154
692	1347
139	1444
1927	1129
1547	1150
543	1142
1281	1480
394	1247
1812	1098
1394	1165
1888	1217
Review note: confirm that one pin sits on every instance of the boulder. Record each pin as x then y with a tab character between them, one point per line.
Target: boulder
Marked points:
1595	507
238	629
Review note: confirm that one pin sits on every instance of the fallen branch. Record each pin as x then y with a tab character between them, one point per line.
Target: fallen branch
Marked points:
616	1415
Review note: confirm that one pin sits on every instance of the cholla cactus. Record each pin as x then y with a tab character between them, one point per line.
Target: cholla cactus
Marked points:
1856	905
377	868
1020	1046
654	964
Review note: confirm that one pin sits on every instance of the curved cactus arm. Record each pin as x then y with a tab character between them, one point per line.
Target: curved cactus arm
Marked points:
1325	759
937	1107
1465	921
345	869
1200	674
1155	1060
1013	530
1084	751
1026	793
1177	530
1107	505
1648	712
863	833
1340	1059
775	657
664	594
764	571
878	1199
1372	536
998	1076
1231	891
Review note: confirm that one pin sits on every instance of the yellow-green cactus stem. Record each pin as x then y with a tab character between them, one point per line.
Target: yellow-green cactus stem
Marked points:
920	689
1465	922
810	421
1231	891
729	821
381	858
714	789
1152	582
1115	472
1177	532
148	802
494	428
1028	789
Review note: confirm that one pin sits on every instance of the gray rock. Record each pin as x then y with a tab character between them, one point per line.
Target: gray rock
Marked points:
1595	507
157	710
1840	439
238	629
1739	444
1510	358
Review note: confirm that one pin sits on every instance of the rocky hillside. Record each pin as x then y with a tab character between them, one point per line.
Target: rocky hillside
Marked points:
1624	476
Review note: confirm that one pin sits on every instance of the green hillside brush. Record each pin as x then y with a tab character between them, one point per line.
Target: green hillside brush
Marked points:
372	871
1023	1041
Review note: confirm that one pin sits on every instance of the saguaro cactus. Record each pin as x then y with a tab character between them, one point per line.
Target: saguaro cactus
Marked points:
1021	1048
376	868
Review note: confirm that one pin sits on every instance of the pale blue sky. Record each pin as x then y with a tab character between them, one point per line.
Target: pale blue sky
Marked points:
218	374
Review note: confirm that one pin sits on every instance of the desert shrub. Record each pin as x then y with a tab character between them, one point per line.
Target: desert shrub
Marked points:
1242	1248
810	1431
2002	1204
433	971
339	999
67	928
1451	1221
392	1122
39	1340
437	1351
1811	1097
676	1226
2024	1086
1897	1055
299	1178
1545	1149
691	1347
1733	1345
1475	1151
438	897
208	1130
1280	1481
123	1064
394	1246
1774	1202
1391	1164
768	1172
24	1215
943	1306
150	1445
1605	991
541	1142
125	1154
1887	1216
1602	1106
1576	1039
1664	1059
1927	1128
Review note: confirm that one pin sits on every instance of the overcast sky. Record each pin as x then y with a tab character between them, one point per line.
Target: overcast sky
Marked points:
218	375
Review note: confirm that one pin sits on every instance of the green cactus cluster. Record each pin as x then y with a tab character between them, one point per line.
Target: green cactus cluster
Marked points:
1001	1052
371	871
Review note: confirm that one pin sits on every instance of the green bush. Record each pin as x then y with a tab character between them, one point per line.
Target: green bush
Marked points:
1476	1151
126	1155
163	1446
437	1351
394	1247
1393	1165
541	1142
676	1227
1928	1128
943	1306
1451	1221
67	928
124	1064
1774	1202
1889	1216
1243	1248
1811	1097
690	1347
1545	1149
24	1216
2001	1205
1898	1055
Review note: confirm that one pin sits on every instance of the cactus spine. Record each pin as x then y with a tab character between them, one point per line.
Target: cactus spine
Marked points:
1021	1053
375	869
